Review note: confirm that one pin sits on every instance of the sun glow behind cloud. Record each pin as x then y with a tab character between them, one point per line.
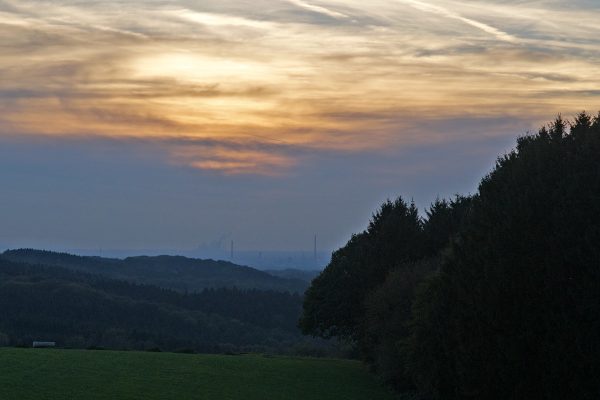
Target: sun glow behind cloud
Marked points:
267	85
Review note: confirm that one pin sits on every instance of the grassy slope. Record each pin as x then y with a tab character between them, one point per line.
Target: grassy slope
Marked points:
79	374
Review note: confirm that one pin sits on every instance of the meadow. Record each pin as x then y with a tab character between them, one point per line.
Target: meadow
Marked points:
52	374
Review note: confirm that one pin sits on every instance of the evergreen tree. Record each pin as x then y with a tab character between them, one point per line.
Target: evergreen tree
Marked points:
518	298
334	304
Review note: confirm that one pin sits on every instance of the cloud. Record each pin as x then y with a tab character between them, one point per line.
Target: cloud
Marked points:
318	9
340	76
220	20
236	162
435	9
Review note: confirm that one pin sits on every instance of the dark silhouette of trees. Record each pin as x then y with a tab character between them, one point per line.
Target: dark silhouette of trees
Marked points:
365	294
518	297
495	296
334	304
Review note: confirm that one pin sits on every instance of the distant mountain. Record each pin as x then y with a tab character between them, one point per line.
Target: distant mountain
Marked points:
170	272
291	273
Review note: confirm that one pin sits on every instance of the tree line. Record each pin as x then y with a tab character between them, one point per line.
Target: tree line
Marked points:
495	295
81	310
178	273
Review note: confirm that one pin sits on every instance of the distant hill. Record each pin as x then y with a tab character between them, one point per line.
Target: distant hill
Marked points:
291	273
82	310
171	272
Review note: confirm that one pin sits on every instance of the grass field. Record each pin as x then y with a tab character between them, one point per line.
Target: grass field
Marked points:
87	375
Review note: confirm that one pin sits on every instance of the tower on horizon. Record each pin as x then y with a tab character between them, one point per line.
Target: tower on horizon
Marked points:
315	250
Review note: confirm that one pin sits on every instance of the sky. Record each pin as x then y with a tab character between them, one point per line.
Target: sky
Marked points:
173	124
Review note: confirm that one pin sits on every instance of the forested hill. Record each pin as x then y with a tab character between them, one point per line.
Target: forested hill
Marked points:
292	273
82	310
170	272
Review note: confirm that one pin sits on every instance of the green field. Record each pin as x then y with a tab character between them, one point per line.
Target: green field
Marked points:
79	374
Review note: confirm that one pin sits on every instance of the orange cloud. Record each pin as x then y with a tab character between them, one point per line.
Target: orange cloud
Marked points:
340	76
233	161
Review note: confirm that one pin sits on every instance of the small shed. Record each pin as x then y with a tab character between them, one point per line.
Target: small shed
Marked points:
41	344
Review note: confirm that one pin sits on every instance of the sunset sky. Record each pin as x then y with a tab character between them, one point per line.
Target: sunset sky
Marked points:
162	124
